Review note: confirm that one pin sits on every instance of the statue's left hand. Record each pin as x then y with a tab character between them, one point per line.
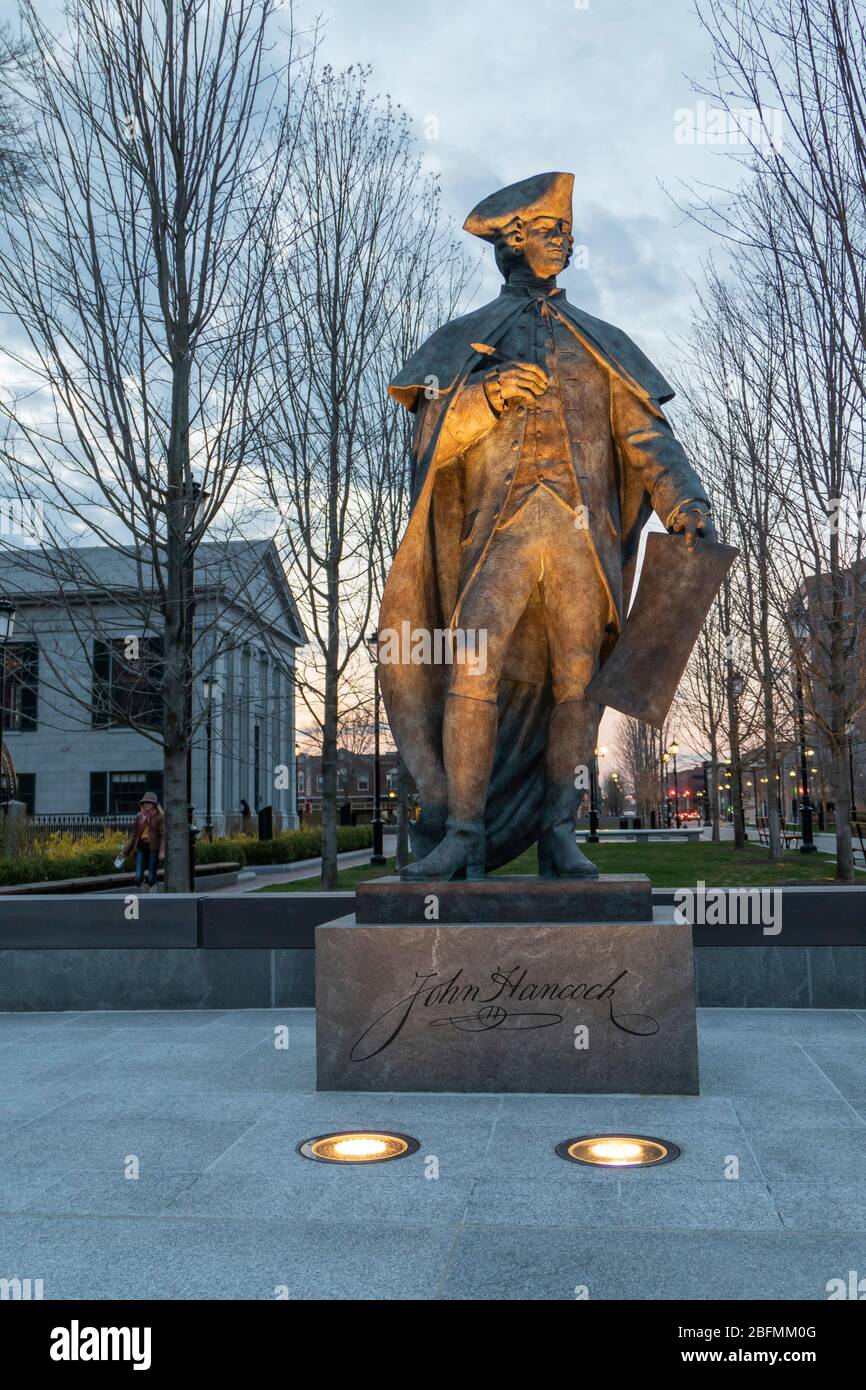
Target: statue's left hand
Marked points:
697	524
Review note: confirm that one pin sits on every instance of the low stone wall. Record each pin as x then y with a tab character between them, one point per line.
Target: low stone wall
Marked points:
257	951
155	978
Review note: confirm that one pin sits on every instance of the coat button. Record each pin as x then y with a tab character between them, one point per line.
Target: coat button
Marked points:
521	410
515	445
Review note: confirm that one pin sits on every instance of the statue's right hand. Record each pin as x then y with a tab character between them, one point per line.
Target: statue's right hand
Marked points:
515	381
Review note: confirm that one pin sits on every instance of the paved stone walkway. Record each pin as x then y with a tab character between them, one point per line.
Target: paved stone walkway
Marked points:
304	868
210	1111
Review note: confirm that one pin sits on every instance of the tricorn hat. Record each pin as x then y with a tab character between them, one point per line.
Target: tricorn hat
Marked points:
543	195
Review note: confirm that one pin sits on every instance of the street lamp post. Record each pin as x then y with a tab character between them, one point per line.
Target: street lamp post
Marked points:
666	757
800	629
209	687
377	857
673	750
807	841
850	732
7	627
592	837
737	685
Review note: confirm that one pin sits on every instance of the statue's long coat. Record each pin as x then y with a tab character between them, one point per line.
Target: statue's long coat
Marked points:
422	588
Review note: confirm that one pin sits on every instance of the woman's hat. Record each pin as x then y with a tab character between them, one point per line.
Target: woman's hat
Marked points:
150	797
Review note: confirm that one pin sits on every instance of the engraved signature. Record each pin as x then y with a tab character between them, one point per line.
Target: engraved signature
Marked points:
431	991
494	1016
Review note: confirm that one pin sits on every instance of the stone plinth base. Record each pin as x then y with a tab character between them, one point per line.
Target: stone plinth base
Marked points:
569	1008
507	898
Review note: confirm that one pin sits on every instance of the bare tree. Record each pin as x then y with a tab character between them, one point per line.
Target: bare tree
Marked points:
702	697
430	282
16	155
640	750
798	65
137	271
358	210
733	383
799	224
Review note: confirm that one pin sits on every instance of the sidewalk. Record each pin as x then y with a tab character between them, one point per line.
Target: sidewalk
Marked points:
303	868
825	840
226	1208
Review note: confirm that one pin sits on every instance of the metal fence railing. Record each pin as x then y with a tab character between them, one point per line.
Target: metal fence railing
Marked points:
38	829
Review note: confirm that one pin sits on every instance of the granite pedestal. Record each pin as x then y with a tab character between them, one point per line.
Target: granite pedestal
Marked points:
506	898
515	1004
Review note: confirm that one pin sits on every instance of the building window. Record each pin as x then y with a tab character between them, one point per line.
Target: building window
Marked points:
363	782
302	784
20	686
118	793
25	783
391	780
127	682
319	782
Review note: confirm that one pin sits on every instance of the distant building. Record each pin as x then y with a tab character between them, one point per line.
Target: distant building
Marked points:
81	702
355	784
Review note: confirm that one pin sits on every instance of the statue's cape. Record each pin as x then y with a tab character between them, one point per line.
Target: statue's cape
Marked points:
444	357
414	694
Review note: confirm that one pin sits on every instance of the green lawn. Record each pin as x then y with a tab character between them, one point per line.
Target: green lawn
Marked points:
668	865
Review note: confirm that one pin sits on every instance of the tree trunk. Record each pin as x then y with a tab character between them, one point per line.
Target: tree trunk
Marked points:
714	777
840	781
177	876
329	782
774	829
736	770
176	641
774	820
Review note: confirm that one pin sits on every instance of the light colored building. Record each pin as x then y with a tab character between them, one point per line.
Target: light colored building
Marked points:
81	693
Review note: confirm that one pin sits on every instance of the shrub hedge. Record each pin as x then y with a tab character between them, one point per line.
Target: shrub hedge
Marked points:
98	858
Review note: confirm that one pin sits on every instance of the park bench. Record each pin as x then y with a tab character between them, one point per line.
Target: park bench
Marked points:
791	834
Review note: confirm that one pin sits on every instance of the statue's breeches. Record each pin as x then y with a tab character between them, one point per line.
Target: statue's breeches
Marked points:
542	545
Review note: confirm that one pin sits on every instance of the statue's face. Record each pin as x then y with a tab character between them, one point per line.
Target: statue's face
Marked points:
547	246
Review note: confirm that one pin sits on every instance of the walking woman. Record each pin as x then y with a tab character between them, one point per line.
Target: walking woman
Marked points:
147	840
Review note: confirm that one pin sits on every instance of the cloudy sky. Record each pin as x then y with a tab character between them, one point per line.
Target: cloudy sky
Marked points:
510	89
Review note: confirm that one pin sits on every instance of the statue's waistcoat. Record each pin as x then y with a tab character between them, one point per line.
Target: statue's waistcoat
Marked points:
562	442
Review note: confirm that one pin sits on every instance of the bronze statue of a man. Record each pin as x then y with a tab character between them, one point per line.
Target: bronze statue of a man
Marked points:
540	449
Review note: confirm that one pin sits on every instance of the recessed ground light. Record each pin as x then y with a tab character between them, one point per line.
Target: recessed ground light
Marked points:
358	1146
617	1150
